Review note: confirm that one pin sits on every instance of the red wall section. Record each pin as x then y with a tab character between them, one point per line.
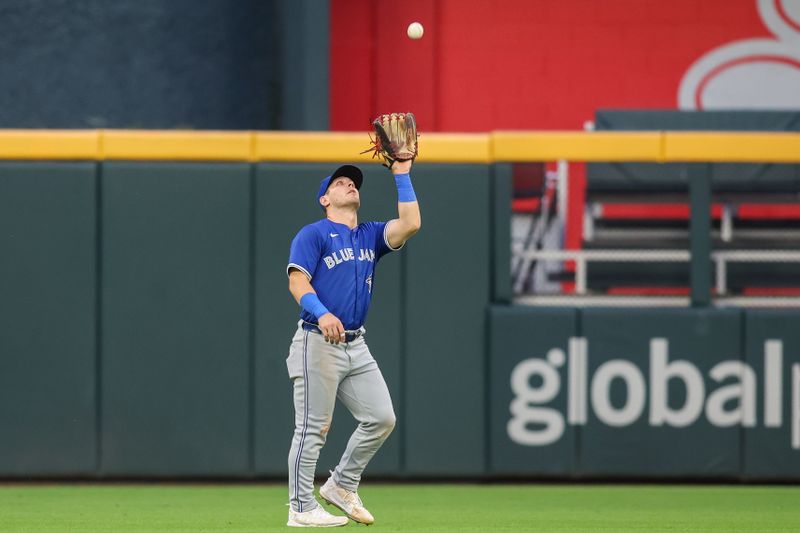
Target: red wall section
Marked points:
375	68
520	64
351	63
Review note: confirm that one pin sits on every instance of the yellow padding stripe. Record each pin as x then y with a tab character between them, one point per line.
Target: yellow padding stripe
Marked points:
732	146
310	146
333	147
575	146
480	148
455	147
49	144
176	145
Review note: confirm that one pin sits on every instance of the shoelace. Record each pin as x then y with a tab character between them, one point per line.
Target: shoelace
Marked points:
352	498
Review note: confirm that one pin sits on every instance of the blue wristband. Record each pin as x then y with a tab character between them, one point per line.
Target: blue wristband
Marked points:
405	191
310	302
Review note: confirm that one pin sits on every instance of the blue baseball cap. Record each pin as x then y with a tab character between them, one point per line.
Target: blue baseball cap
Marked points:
348	171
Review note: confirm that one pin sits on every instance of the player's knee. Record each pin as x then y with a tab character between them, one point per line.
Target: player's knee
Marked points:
314	433
321	433
385	423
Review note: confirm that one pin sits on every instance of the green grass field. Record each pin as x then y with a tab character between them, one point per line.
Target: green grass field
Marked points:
450	508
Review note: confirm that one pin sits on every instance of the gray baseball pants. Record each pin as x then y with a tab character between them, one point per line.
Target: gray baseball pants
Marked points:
322	372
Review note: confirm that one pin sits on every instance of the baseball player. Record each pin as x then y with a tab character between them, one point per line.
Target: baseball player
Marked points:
331	275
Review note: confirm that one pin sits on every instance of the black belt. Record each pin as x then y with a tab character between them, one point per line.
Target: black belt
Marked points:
349	336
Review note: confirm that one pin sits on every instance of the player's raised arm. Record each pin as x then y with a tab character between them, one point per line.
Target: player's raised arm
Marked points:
396	144
409	219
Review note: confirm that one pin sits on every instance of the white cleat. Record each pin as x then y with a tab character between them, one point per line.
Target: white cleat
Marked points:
316	517
346	500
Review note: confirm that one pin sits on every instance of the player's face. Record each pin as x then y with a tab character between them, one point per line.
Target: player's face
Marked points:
342	192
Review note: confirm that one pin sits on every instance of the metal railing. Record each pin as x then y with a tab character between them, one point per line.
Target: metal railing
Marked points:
720	259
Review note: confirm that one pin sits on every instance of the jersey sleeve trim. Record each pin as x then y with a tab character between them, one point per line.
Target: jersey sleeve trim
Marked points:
290	266
386	239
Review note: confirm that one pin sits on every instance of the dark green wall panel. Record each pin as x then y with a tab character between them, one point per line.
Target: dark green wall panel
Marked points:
518	335
175	277
501	194
702	337
768	445
47	319
448	284
285	202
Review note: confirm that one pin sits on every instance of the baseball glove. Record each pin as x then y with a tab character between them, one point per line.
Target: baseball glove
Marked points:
395	138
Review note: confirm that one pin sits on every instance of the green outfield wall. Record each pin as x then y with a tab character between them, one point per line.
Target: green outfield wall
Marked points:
48	315
145	323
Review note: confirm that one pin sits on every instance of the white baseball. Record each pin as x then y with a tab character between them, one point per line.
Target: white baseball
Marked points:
415	30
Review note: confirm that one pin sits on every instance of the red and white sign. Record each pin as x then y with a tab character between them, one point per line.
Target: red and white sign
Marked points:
750	73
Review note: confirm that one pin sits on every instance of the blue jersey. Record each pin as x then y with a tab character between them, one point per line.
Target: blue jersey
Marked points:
340	263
